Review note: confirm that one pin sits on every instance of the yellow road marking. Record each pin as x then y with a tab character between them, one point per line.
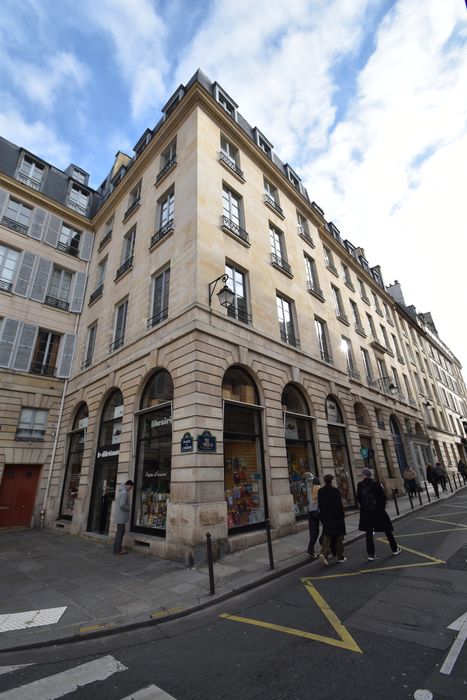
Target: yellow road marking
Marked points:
429	532
345	640
445	522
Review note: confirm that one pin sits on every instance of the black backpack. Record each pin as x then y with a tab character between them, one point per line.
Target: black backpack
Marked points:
367	498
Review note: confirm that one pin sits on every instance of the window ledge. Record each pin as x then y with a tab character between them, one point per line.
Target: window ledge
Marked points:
165	171
235	231
350	286
360	331
162	234
378	311
104	241
124	269
343	319
271	204
366	300
332	269
131	210
231	167
283	267
318	293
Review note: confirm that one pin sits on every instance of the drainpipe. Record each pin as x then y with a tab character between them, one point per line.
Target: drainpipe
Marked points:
54	450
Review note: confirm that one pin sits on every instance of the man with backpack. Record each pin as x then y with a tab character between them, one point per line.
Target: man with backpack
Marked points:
373	516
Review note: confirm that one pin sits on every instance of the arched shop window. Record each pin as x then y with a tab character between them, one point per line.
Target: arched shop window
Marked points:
398	444
154	455
299	445
245	490
73	463
106	466
340	453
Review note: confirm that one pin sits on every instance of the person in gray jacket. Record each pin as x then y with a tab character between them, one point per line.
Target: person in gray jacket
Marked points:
122	515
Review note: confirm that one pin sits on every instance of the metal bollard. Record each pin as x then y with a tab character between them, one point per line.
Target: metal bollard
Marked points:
419	497
427	492
395	501
410	499
212	589
268	536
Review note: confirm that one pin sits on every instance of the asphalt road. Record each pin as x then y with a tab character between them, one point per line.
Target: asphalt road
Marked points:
355	630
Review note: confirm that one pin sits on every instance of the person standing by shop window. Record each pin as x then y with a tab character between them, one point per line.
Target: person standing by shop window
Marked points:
312	488
122	515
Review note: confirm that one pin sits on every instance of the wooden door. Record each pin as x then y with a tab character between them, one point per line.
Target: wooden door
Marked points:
18	495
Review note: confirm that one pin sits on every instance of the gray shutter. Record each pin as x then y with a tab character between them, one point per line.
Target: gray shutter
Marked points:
78	291
41	280
7	340
67	348
23	278
37	223
53	230
3	198
86	245
27	338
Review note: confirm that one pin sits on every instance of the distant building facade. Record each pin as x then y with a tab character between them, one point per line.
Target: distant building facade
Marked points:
215	404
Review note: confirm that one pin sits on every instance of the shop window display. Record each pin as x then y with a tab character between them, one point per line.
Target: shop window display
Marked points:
340	454
299	445
73	467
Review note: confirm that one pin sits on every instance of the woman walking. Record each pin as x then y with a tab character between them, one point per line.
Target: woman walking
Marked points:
373	516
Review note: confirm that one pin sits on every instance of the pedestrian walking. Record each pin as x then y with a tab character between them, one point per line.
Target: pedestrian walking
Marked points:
331	513
432	478
312	488
410	480
122	515
373	516
462	469
440	475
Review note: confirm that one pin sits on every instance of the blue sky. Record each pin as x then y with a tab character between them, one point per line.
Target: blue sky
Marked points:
366	99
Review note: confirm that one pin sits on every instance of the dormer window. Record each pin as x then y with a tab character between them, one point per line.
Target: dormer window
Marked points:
263	143
31	172
78	199
293	177
78	175
143	142
173	101
334	231
225	101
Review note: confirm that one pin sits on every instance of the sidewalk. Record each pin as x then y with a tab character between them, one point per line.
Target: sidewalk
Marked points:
43	569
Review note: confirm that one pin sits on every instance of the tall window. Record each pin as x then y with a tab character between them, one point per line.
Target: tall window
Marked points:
107	233
128	245
323	340
101	273
362	288
381	368
372	327
31	172
120	325
329	259
73	467
160	298
78	199
376	303
231	206
68	240
8	260
346	346
385	337
271	195
166	208
90	345
134	198
338	304
168	159
286	325
303	227
229	154
32	424
278	252
356	317
17	216
58	293
312	275
347	276
237	284
396	347
367	364
44	360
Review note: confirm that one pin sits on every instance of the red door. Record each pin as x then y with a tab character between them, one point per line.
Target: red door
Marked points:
18	495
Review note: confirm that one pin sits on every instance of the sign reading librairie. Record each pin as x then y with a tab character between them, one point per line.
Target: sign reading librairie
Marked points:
206	442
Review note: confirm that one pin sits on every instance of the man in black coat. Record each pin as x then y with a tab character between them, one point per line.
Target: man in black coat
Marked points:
373	516
331	513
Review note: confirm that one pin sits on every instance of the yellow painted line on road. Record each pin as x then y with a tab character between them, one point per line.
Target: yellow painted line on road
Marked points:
445	522
345	641
435	560
430	532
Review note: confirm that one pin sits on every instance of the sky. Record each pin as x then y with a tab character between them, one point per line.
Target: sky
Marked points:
365	99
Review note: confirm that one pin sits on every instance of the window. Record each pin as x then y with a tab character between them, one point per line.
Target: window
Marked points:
120	325
231	206
226	103
127	252
78	175
387	313
376	303
78	199
265	145
90	345
323	340
107	233
372	327
363	293
293	177
395	378
30	172
397	348
385	337
168	159
286	325
367	365
381	368
160	298
236	282
338	304
312	276
166	209
8	260
271	197
45	353
347	277
17	216
346	346
100	277
68	241
278	254
58	292
133	200
407	387
356	317
304	229
229	155
31	425
329	260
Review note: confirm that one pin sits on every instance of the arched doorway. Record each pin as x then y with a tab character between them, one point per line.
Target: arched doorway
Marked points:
367	452
340	453
73	465
244	479
154	455
398	444
299	445
106	465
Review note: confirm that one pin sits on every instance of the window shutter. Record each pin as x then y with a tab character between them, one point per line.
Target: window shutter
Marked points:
25	347
24	275
41	280
37	223
53	230
78	291
67	348
7	340
3	198
86	245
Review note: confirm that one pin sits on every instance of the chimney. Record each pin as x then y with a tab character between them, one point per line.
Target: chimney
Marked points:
395	290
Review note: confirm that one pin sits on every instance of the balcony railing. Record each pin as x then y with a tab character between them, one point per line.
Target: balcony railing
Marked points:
105	240
303	233
116	344
39	368
67	248
86	363
56	303
234	228
6	286
14	225
327	357
239	314
96	293
168	166
77	207
290	339
162	232
134	205
354	373
314	289
283	265
158	318
273	204
230	163
35	184
124	267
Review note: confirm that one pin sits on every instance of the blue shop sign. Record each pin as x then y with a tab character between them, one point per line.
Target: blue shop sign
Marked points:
364	452
186	443
206	442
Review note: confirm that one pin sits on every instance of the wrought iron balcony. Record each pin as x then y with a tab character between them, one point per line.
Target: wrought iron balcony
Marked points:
116	344
162	232
67	248
133	206
14	225
230	163
354	373
239	314
290	339
303	233
158	318
6	286
283	265
39	368
105	240
168	166
35	184
77	207
327	357
273	204
56	303
124	267
234	228
96	293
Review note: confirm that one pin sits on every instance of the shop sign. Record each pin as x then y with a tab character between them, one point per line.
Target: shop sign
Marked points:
160	422
102	454
364	452
118	411
291	429
206	442
186	443
157	474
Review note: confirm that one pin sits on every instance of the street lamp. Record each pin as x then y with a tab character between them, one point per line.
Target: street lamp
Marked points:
225	295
